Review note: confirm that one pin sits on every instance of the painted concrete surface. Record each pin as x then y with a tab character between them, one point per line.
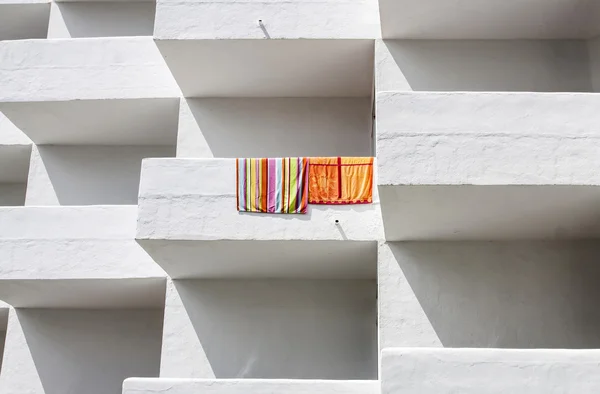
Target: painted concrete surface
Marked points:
24	19
150	121
274	127
484	19
64	351
483	65
294	19
101	19
54	257
271	68
88	175
487	138
493	371
524	295
106	68
194	199
487	165
244	386
270	329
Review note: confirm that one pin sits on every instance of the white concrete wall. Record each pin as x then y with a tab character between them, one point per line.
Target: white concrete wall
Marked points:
493	65
230	19
274	127
83	69
88	175
79	351
489	294
490	371
12	194
270	329
101	19
245	386
195	199
487	138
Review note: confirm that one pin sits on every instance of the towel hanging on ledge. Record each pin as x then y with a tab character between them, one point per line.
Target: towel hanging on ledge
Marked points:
340	180
272	185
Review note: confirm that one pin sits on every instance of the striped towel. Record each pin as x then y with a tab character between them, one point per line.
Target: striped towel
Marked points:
272	185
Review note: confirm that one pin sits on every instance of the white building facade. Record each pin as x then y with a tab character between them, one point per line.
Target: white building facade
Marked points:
126	268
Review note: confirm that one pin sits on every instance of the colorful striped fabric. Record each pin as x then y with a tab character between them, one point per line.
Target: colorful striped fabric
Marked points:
272	185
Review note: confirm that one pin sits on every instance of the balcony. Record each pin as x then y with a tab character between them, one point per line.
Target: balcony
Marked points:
75	257
187	209
483	19
89	91
235	386
482	165
24	19
469	371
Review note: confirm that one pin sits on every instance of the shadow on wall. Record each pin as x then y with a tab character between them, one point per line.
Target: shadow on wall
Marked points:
92	352
278	127
89	175
443	212
506	294
106	19
473	65
324	329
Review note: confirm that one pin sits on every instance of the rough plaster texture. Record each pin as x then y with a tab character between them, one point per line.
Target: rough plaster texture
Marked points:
487	165
231	19
23	19
74	351
483	65
194	199
493	371
101	19
53	256
88	175
83	69
526	295
271	68
270	329
275	127
485	19
245	386
487	138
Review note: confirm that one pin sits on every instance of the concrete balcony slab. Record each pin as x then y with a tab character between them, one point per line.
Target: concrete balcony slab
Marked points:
488	165
295	19
83	69
24	19
75	257
484	19
470	371
189	223
243	386
271	68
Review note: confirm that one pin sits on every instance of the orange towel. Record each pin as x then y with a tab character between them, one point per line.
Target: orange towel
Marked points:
340	180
